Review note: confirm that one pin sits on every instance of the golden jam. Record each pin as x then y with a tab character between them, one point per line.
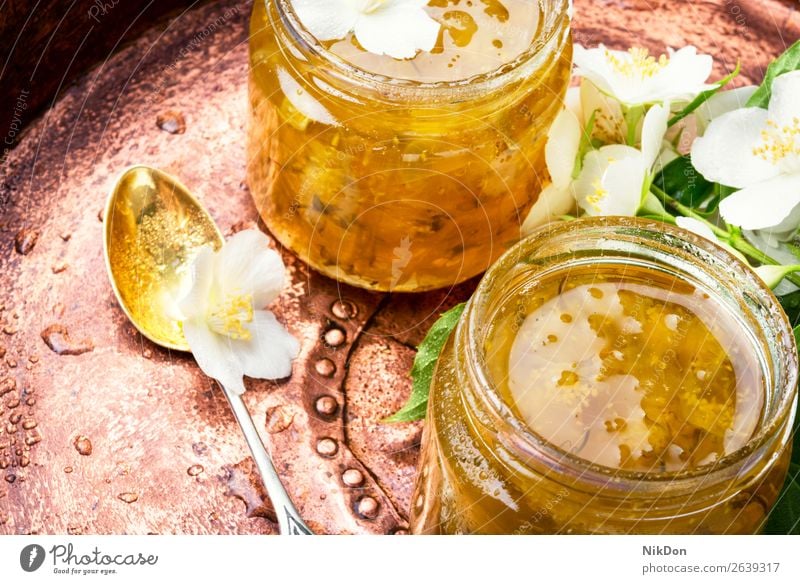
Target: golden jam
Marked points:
629	369
409	174
610	376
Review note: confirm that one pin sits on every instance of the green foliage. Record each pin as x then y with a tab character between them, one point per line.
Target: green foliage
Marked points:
424	365
787	62
684	183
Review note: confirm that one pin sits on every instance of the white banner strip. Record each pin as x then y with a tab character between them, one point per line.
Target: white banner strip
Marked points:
323	560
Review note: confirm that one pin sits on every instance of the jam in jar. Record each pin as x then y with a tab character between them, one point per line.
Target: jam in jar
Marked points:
610	376
405	174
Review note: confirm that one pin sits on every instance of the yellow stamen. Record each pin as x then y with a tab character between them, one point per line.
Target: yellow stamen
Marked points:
778	142
599	194
229	317
640	64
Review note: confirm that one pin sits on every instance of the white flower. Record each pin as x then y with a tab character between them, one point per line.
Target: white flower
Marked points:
398	28
696	227
223	321
757	151
614	178
635	78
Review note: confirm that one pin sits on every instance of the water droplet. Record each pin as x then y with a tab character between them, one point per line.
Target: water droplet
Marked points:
57	338
68	469
11	429
24	461
25	241
171	121
28	424
60	267
327	447
325	367
335	337
10	329
58	309
33	438
147	354
7	385
10	478
128	497
33	358
31	401
278	419
12	403
83	445
245	484
326	405
66	236
15	418
344	309
353	477
367	507
195	470
12	363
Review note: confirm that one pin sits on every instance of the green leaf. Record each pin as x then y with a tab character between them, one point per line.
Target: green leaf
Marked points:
424	364
791	306
705	96
784	519
787	62
683	182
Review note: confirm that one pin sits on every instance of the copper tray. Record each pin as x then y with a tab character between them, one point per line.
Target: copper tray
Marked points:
124	437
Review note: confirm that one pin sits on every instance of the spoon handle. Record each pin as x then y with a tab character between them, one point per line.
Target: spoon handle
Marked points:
289	520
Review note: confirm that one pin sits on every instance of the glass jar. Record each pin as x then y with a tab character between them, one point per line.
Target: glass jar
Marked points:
483	470
390	183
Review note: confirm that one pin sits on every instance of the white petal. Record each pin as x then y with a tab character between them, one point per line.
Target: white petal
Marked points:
195	301
722	103
247	265
270	351
611	181
327	20
653	129
784	105
609	123
214	354
696	227
397	29
563	143
552	203
685	75
303	101
763	205
572	101
725	153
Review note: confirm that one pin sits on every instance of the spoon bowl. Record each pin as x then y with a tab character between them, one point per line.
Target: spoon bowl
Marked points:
153	228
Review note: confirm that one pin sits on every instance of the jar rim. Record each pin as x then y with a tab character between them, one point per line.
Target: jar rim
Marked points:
411	90
529	442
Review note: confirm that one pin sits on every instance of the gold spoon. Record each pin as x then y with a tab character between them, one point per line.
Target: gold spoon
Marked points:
152	230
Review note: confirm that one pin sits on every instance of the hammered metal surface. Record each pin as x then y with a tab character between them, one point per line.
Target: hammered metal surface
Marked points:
103	432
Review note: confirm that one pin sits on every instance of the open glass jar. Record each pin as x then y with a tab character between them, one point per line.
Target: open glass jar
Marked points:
490	464
404	175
